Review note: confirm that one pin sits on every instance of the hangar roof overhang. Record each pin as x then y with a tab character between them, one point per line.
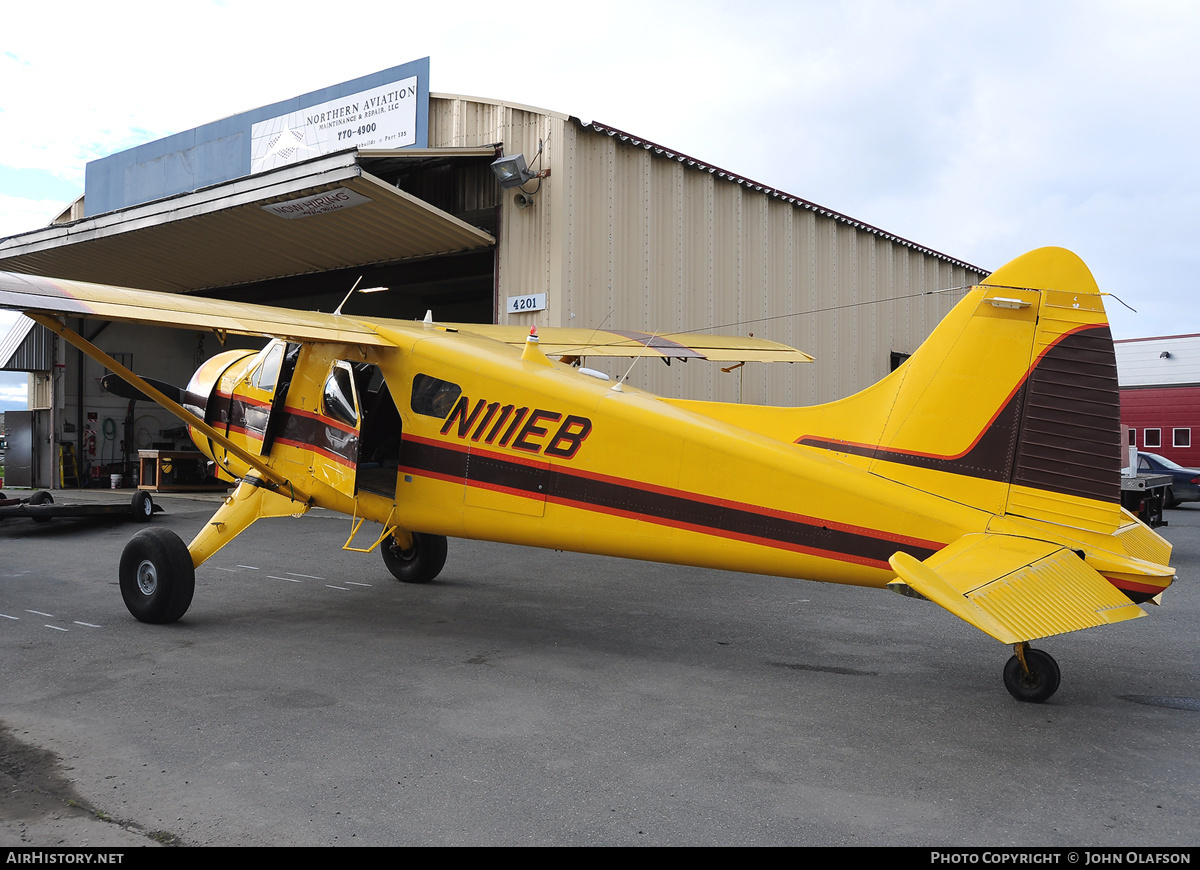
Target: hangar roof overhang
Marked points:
339	216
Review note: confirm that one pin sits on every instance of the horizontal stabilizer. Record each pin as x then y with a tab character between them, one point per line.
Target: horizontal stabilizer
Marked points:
1015	589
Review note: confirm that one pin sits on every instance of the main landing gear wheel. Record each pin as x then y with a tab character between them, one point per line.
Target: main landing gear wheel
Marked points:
1035	680
157	576
419	564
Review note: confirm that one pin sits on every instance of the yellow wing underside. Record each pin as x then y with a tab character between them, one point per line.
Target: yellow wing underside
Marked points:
570	341
1015	589
81	299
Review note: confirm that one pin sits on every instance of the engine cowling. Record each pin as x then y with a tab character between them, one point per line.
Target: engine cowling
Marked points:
205	398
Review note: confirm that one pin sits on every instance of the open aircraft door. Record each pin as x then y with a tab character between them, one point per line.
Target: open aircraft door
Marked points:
357	445
336	441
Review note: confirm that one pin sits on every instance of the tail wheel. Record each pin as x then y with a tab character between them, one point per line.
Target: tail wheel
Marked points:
157	576
1035	680
420	563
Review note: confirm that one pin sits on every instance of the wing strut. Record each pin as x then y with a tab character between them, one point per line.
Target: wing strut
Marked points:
255	462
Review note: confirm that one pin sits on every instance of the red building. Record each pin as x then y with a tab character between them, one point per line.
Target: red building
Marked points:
1160	394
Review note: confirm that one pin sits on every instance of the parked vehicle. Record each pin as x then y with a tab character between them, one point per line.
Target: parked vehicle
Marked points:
1185	484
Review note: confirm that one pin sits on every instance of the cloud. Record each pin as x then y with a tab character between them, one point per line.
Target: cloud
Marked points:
13	391
20	214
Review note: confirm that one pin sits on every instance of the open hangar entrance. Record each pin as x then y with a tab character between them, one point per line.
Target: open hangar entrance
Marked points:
242	241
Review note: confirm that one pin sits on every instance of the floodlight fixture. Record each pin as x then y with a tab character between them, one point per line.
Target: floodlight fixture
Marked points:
512	171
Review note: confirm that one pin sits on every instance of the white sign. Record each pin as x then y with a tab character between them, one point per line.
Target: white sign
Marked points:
382	117
319	203
521	304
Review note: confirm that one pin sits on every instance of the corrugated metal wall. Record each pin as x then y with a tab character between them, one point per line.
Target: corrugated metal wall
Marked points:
626	235
1141	362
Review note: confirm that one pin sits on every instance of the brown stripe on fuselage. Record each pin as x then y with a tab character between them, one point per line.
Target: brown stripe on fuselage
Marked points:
1058	430
655	504
297	428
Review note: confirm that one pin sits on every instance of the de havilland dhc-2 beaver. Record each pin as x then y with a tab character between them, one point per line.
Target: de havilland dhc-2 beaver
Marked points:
983	474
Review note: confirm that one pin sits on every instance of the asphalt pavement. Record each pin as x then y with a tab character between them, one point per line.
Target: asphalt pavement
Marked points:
536	697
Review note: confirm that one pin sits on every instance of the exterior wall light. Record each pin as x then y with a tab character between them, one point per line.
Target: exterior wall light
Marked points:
512	171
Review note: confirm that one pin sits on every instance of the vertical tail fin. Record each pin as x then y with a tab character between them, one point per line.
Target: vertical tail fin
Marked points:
1011	405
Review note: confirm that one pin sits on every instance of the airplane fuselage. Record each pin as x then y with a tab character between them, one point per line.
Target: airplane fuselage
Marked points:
499	448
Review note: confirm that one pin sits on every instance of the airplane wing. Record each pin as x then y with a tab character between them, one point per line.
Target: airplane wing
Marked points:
1015	589
571	341
33	294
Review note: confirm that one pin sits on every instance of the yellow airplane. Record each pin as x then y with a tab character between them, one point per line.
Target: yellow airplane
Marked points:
983	474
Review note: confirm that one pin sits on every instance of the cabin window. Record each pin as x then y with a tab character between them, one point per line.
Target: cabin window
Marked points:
339	395
433	397
1133	437
1181	437
1152	438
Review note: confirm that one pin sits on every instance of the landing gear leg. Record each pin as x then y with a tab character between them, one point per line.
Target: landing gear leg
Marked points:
1031	675
158	570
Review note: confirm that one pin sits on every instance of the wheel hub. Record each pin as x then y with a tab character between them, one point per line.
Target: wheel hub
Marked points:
147	577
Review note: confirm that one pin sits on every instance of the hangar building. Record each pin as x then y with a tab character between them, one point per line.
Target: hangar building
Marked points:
1160	394
376	180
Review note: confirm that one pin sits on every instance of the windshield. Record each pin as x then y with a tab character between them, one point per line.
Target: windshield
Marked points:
1164	462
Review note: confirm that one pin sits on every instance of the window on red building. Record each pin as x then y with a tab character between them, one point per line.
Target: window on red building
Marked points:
1152	438
1181	437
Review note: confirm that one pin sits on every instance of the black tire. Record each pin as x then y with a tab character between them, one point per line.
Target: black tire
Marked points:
39	498
142	506
420	564
1039	684
1169	498
157	576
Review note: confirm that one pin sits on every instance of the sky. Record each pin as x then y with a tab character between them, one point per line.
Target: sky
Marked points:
981	130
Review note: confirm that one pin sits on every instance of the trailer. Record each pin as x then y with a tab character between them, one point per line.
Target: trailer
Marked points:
40	507
1145	496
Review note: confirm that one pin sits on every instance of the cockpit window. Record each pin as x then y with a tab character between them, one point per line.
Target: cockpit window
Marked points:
268	370
433	397
339	395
